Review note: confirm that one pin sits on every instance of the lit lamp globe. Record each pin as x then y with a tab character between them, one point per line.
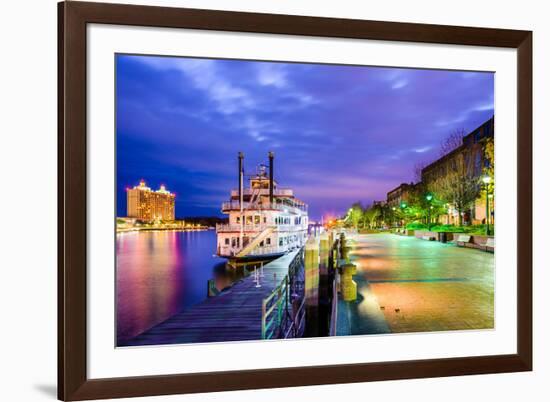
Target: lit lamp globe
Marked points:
429	197
486	179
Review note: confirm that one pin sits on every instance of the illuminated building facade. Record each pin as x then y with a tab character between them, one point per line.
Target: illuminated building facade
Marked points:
469	157
145	204
399	194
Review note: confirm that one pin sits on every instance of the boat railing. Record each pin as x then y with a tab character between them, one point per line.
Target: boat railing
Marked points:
235	205
281	192
234	227
265	250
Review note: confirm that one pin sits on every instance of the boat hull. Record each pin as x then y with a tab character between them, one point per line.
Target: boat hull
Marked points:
252	258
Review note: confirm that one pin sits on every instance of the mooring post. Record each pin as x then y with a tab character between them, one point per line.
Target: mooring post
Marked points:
348	287
311	266
324	248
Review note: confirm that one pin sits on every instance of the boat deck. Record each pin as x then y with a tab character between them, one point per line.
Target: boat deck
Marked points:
233	315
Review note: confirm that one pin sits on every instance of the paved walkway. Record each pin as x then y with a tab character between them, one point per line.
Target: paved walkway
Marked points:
406	284
233	315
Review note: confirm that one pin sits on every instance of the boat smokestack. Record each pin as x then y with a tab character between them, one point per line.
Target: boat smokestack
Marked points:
241	168
271	177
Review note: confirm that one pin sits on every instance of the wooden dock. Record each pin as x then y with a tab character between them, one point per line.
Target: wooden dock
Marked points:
233	315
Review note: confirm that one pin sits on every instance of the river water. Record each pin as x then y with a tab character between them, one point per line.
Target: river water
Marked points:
160	273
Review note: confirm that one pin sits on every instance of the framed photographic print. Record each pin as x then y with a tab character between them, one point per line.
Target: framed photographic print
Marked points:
251	200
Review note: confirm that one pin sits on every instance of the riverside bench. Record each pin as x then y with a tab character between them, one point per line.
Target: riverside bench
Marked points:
463	240
490	244
428	237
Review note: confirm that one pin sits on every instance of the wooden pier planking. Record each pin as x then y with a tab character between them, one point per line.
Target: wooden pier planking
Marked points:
233	315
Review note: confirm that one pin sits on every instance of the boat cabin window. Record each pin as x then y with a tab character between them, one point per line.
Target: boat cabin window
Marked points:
261	243
227	241
265	219
268	241
280	242
238	219
257	219
249	220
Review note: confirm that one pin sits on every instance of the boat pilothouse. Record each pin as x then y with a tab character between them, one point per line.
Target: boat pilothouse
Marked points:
265	220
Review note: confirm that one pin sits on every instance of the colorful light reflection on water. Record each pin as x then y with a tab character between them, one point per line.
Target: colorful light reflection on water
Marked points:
160	273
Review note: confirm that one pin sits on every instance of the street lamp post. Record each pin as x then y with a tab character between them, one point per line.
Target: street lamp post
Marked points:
486	180
429	198
403	207
491	206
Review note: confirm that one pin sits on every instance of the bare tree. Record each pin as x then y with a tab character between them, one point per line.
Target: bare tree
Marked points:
417	170
456	183
452	142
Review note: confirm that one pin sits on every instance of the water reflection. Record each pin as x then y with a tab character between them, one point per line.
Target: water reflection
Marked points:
161	273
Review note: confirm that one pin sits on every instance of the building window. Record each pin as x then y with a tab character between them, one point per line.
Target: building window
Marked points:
477	165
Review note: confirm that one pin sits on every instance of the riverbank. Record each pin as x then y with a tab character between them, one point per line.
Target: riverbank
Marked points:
160	228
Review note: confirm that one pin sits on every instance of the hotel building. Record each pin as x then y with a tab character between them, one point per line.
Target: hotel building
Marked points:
145	204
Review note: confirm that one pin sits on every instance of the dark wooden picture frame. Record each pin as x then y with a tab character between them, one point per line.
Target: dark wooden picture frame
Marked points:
73	382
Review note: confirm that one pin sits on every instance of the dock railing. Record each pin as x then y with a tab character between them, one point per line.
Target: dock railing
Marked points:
274	308
280	319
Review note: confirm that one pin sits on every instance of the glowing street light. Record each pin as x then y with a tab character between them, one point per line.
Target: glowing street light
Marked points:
486	179
429	198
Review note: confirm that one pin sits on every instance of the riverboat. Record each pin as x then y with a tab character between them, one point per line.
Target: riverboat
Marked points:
265	221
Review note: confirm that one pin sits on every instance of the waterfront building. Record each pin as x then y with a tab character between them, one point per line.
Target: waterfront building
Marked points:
265	220
399	194
149	205
469	158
